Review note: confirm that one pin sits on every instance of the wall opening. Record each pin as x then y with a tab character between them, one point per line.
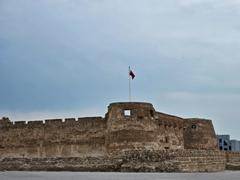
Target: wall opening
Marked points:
166	139
194	126
127	112
151	113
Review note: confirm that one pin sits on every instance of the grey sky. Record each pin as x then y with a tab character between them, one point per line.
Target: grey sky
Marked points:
70	57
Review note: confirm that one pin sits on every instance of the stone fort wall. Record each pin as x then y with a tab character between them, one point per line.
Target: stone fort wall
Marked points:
53	138
233	157
126	127
233	160
127	161
143	128
199	134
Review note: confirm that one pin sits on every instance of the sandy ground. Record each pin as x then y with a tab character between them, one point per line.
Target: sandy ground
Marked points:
227	175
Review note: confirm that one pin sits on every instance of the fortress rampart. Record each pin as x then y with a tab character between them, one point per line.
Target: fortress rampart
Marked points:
127	130
53	138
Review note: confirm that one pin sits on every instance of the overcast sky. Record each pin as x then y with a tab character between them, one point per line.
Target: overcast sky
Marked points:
70	58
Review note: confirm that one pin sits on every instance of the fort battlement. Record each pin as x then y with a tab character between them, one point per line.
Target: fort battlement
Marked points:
126	127
84	121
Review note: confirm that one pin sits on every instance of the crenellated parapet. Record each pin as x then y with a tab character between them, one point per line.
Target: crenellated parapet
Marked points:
83	122
52	137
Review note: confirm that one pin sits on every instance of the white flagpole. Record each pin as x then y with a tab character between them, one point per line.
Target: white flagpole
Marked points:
129	79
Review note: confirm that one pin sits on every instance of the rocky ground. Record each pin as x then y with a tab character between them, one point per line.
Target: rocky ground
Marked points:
132	161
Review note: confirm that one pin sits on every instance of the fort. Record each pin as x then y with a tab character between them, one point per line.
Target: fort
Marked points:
132	136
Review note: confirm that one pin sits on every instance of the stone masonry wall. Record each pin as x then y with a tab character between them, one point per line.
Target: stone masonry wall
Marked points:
140	140
199	134
233	160
127	161
54	138
144	128
170	132
233	157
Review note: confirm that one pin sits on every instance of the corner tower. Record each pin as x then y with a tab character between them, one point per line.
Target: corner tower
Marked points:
199	134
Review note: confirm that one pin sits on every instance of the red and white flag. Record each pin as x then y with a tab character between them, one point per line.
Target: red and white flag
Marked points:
131	73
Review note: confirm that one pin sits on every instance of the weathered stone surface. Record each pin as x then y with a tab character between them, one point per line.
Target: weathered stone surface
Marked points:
233	167
131	137
128	161
199	134
233	157
233	160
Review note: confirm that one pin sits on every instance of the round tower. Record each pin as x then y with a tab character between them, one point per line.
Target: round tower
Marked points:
130	125
199	134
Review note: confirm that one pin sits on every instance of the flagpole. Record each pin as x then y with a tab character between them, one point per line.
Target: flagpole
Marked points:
129	83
